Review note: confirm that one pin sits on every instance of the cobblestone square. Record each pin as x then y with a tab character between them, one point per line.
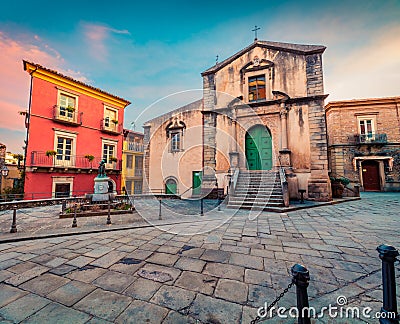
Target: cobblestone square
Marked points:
222	271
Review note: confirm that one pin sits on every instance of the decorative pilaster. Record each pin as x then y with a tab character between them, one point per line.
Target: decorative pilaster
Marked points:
284	153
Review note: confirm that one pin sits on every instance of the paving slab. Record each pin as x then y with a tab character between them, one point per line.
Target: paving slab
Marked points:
86	274
104	304
142	312
232	290
142	289
212	310
44	284
227	271
56	313
191	264
197	282
114	281
173	297
9	294
23	307
71	292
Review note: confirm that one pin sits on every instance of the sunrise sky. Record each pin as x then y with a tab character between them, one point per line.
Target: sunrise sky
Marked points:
148	50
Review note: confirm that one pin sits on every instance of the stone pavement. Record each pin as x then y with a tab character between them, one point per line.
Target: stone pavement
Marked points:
215	269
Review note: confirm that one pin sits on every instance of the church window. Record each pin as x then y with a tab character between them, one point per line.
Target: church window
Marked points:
175	131
175	141
257	88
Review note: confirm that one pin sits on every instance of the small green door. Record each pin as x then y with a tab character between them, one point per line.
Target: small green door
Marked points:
258	148
196	184
170	187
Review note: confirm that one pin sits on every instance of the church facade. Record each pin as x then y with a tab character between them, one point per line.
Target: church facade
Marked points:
262	109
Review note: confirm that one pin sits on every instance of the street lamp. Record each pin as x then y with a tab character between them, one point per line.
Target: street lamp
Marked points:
4	173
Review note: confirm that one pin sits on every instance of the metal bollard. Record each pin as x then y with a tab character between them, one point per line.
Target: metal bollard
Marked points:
201	207
301	278
14	222
159	212
63	206
388	256
109	212
74	224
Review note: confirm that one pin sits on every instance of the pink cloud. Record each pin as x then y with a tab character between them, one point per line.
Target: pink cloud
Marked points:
14	83
96	36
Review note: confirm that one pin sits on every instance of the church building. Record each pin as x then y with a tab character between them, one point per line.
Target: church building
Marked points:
261	119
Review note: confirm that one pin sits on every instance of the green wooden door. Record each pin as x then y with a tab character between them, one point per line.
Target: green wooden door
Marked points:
170	186
196	183
258	148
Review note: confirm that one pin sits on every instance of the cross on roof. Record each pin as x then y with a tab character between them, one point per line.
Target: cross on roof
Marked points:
255	32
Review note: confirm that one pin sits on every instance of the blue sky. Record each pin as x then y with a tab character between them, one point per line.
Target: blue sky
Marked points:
145	51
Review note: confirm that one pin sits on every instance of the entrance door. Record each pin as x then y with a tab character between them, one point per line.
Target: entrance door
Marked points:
370	173
62	190
196	183
170	187
258	148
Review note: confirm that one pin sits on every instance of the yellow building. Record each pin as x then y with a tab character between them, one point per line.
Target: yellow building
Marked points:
132	162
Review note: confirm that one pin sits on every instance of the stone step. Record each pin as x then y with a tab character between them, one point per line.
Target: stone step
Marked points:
250	205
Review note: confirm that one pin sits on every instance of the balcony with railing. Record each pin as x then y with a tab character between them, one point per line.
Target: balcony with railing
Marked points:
67	115
135	147
110	126
138	172
42	160
370	138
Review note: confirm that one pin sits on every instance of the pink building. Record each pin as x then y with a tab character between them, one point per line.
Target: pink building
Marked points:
71	127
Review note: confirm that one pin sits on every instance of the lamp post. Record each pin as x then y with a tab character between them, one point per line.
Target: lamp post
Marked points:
4	173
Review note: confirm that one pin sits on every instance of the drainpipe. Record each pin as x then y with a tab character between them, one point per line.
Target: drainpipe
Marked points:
28	122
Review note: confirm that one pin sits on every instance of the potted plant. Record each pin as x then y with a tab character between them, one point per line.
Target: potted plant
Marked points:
50	153
70	109
113	159
338	184
90	158
115	122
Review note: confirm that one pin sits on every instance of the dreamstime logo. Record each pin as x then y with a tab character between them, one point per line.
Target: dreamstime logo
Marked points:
176	150
338	310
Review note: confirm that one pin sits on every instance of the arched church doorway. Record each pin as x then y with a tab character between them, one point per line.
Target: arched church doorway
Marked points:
171	186
258	144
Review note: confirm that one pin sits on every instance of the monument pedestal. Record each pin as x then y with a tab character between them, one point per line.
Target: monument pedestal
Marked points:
101	189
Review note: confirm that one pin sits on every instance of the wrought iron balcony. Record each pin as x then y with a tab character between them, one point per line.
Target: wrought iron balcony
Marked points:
135	147
40	159
138	172
370	138
67	115
111	127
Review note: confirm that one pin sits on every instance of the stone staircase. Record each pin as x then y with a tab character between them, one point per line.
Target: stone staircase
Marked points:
257	190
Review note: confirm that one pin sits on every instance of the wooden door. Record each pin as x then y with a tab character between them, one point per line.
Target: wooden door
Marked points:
371	179
258	144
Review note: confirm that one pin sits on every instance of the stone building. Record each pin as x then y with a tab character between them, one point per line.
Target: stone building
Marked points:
262	109
364	142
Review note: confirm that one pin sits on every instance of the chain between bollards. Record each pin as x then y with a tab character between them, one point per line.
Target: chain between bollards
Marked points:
201	207
388	255
74	224
14	221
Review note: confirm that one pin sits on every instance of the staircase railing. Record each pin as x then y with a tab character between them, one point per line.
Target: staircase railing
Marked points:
186	191
284	184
